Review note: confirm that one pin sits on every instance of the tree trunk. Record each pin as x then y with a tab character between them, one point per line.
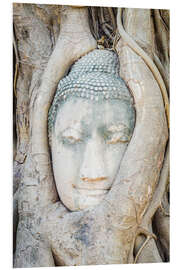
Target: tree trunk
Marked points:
45	44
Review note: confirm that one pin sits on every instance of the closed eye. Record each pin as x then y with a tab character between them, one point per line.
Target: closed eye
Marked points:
70	140
70	136
118	138
116	133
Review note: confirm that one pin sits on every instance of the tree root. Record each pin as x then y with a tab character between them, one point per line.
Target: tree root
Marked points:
137	49
17	64
166	214
154	204
158	194
70	46
110	10
149	236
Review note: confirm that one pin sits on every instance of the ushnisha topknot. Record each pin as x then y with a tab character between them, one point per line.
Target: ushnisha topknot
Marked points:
95	76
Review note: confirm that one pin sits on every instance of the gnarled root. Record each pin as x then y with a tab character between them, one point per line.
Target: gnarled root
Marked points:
70	46
143	183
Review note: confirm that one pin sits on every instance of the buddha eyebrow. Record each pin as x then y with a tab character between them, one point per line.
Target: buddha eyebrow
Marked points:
117	128
69	129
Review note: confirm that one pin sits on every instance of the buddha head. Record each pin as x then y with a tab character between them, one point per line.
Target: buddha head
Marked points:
90	124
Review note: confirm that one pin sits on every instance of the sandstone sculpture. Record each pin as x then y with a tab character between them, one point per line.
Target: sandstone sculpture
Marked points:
89	193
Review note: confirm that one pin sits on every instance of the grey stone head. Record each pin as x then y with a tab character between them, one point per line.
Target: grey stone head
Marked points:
91	122
95	76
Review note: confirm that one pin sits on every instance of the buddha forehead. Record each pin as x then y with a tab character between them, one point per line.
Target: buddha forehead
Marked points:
86	114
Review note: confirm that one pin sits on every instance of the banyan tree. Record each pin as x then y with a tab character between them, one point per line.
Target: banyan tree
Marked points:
91	135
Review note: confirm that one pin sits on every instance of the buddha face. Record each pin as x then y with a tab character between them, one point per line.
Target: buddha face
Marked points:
89	139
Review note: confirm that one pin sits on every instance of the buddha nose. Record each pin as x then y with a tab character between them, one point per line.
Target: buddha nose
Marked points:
93	167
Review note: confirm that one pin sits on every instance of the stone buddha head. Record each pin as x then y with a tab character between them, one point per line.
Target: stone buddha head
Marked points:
90	124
